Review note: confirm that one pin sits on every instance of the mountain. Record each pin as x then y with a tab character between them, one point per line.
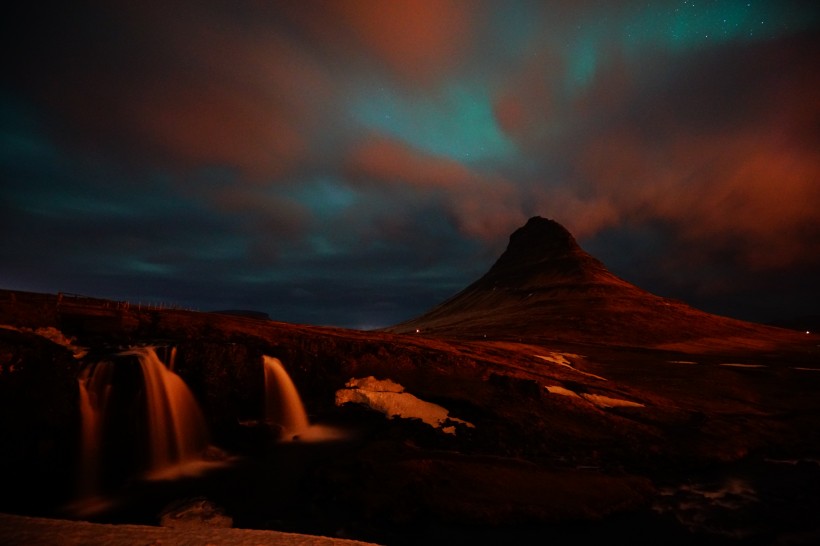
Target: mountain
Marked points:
544	287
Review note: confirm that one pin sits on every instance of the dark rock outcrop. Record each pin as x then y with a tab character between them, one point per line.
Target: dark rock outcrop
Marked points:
39	427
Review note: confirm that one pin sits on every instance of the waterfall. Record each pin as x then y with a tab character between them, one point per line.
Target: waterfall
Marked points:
168	355
283	405
111	433
94	390
176	428
284	408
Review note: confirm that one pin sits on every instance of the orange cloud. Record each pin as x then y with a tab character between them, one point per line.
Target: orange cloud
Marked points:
524	105
746	191
484	206
206	125
389	162
722	152
417	41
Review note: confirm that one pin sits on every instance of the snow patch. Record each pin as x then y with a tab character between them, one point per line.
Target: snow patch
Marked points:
596	399
607	402
389	398
370	383
555	389
562	360
556	358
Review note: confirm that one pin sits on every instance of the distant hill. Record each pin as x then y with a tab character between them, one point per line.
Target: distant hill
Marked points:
545	287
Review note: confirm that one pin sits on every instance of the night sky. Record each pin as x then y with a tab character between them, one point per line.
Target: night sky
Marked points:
354	163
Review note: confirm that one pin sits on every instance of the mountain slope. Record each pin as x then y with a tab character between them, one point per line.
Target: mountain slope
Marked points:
545	287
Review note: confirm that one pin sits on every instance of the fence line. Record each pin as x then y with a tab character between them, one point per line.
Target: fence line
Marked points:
63	297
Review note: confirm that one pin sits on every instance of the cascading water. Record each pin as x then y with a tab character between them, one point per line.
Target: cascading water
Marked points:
284	408
283	405
166	411
177	430
94	390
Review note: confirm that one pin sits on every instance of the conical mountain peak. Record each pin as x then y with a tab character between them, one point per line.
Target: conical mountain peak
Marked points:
541	249
540	238
545	287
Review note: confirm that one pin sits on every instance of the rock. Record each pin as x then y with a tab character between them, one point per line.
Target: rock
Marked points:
195	512
38	418
389	398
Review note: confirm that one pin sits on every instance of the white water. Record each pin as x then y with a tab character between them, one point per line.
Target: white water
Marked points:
177	431
94	390
284	407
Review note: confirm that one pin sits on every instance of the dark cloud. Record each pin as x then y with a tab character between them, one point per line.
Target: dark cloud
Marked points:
180	86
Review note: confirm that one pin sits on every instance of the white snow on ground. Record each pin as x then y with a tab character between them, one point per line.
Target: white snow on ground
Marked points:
557	358
607	402
27	531
370	383
389	398
738	365
555	389
597	399
54	335
562	360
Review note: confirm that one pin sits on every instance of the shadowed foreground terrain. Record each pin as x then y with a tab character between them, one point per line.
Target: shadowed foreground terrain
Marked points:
549	399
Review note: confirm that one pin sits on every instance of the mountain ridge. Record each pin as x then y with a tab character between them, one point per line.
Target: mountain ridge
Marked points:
545	287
